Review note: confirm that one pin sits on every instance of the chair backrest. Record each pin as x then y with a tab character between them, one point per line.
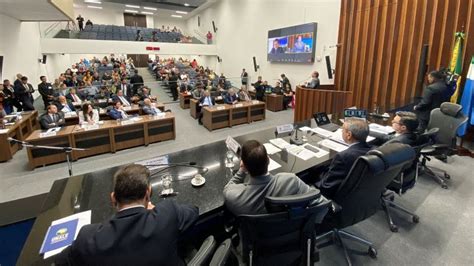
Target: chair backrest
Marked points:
448	118
407	178
285	235
359	193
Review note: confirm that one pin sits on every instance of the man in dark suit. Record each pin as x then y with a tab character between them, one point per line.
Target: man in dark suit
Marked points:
10	99
74	97
173	83
405	125
433	96
137	82
206	100
126	89
64	106
139	233
23	92
52	118
231	97
354	133
285	81
124	100
46	90
259	89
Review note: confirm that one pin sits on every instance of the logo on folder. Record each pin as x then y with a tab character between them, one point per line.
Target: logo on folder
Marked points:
61	235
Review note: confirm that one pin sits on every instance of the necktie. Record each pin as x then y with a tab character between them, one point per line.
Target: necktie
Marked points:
124	90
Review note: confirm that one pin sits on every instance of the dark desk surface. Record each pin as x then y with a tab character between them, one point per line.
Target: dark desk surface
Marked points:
92	190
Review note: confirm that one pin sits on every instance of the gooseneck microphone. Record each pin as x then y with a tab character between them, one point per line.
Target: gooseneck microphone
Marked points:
173	165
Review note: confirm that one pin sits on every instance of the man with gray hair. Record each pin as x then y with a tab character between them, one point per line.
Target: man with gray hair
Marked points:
354	133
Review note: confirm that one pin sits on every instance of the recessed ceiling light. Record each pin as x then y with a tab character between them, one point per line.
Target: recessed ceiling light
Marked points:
96	7
132	6
176	16
147	13
181	12
150	8
186	4
131	11
92	1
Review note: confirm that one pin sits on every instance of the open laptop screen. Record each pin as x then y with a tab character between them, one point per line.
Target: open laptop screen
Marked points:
321	119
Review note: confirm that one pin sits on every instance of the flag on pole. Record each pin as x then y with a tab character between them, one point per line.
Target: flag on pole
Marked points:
467	99
455	66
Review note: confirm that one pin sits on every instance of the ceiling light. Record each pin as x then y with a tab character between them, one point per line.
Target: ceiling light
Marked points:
92	1
96	7
132	6
182	12
186	4
150	8
176	16
131	11
147	13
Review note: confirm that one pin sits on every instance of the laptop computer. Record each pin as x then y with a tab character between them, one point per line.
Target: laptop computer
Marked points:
322	120
356	113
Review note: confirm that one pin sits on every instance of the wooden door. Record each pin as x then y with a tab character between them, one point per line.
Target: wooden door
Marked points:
135	20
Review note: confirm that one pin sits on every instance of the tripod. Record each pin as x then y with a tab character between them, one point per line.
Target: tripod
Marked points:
67	150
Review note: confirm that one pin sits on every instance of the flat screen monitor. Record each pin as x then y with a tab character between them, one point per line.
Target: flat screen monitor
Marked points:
294	44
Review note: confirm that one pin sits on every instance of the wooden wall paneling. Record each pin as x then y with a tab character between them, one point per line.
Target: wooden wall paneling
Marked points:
419	25
342	35
355	52
359	79
400	46
381	52
469	40
447	43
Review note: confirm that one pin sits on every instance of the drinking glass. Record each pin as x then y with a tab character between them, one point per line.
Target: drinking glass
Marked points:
166	183
229	159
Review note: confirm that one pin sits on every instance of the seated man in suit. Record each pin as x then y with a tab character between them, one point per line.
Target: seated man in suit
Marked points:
405	125
73	96
52	118
231	97
206	100
104	94
139	233
198	92
354	133
149	108
244	94
145	93
65	106
117	112
249	197
124	100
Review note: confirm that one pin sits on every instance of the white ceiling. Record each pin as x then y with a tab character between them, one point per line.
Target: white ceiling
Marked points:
31	10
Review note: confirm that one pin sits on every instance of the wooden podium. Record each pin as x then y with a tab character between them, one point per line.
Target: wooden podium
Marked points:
310	101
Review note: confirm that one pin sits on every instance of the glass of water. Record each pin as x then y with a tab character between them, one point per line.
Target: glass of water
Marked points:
166	183
229	163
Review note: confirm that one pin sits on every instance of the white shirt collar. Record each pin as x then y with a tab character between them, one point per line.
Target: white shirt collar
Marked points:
133	206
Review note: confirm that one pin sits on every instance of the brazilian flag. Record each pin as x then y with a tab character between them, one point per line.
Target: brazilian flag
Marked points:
455	66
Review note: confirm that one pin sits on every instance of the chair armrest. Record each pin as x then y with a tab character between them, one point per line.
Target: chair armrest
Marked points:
204	253
440	146
222	253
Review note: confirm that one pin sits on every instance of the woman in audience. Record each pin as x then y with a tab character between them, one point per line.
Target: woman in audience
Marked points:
287	96
88	115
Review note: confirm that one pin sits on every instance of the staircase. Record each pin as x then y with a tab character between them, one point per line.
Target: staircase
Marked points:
154	85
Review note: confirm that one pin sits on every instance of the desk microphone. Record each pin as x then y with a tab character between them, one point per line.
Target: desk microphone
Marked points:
172	165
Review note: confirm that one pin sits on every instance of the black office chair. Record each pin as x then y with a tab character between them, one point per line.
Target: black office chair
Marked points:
286	235
205	252
448	118
406	180
223	255
359	194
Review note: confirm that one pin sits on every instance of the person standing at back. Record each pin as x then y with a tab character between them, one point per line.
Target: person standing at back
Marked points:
433	96
136	81
80	22
139	233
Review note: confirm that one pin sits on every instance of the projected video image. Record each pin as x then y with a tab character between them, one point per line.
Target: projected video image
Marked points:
293	44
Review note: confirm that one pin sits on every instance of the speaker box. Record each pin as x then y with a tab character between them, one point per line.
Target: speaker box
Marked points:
328	66
199	21
255	66
214	26
44	59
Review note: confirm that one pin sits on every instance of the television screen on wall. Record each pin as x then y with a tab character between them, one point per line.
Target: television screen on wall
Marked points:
294	44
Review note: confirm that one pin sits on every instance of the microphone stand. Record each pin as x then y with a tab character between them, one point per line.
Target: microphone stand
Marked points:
67	150
172	165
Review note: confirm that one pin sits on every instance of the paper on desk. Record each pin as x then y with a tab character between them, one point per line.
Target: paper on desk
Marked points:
381	129
271	149
280	143
333	145
322	132
84	218
273	165
305	129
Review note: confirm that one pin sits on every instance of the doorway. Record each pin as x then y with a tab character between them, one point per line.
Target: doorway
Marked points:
136	20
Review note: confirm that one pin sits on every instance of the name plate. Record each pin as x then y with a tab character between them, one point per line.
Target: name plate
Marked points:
102	100
48	134
232	144
91	127
70	114
127	122
238	105
255	102
220	107
159	115
127	108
